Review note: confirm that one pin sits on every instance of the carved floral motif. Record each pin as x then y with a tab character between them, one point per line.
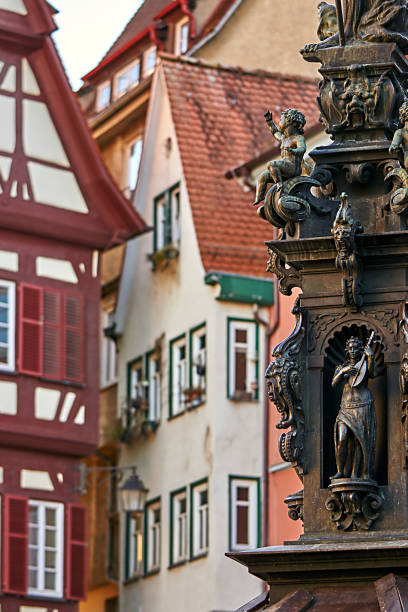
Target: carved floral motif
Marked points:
288	276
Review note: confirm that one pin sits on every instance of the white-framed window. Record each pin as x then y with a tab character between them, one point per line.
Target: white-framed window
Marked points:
127	78
179	526
109	373
7	324
182	33
103	95
199	517
154	379
178	374
199	357
167	219
244	513
135	155
134	562
243	359
45	548
137	382
149	60
153	536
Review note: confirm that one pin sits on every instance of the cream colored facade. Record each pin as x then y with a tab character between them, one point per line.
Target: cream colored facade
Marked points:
217	439
265	34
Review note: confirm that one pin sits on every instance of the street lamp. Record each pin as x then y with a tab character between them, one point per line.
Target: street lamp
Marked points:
133	493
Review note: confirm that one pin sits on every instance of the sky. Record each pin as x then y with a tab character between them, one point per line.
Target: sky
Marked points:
87	28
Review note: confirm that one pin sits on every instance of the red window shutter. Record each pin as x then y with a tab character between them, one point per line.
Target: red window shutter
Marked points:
77	549
52	337
73	338
15	544
30	332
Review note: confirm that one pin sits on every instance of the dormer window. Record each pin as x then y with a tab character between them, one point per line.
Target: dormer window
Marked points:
182	34
103	96
149	60
127	78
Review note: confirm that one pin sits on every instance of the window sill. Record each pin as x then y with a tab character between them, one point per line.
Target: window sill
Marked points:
175	416
191	407
152	572
37	597
178	564
132	579
241	400
198	557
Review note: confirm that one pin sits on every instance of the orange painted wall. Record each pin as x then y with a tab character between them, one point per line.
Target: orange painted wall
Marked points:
283	482
96	598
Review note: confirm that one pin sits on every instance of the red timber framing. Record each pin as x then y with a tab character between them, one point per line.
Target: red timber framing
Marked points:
59	210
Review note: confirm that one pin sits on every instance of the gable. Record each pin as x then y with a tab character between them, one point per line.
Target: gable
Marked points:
52	179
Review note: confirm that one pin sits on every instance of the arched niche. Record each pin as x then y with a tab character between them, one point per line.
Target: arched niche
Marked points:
334	354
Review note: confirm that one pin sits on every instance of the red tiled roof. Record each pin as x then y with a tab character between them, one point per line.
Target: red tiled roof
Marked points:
142	19
218	115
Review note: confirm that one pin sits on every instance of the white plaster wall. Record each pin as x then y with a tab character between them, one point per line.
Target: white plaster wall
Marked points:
220	437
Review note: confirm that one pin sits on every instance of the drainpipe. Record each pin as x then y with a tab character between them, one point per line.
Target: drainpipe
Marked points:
112	492
269	331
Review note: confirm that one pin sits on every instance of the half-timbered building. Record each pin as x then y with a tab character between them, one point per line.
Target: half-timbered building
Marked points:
59	209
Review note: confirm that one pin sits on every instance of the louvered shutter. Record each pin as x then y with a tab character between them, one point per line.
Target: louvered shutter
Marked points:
77	549
52	337
30	346
73	337
15	544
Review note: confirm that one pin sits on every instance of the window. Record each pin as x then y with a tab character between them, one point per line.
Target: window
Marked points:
134	545
182	36
244	513
45	548
243	359
199	519
127	78
108	352
134	162
103	95
149	61
7	319
136	379
51	333
178	526
154	380
196	393
153	518
167	219
178	374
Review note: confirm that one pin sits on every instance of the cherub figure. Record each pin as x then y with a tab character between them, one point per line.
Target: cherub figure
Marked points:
401	136
293	147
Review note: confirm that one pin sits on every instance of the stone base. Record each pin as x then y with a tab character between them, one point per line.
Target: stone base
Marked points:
344	567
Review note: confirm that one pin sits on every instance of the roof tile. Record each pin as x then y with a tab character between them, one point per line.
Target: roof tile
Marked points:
218	115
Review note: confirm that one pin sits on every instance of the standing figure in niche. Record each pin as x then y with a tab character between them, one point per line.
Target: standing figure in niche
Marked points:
289	133
355	426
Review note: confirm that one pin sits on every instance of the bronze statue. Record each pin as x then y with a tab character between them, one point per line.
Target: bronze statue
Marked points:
355	427
293	147
370	21
400	139
327	20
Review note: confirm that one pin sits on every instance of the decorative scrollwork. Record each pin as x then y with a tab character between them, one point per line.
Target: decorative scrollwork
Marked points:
288	276
354	505
295	506
344	231
403	324
284	389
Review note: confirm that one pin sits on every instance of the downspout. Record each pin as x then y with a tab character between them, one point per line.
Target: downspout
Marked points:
269	331
112	486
